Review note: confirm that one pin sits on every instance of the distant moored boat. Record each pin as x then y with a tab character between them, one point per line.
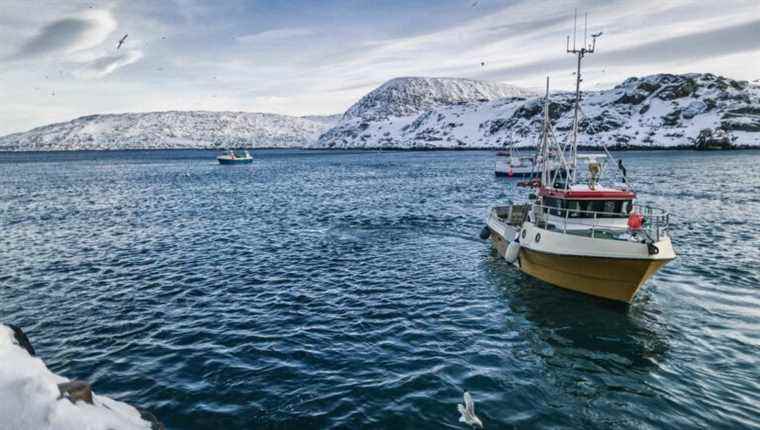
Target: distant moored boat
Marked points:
521	166
232	157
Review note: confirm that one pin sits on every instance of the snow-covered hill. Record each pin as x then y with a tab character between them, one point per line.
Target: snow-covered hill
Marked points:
173	129
407	96
657	111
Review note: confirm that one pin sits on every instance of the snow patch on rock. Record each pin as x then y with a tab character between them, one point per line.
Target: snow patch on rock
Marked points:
30	398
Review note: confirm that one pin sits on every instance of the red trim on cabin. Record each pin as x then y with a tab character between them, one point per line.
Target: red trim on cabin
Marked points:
588	194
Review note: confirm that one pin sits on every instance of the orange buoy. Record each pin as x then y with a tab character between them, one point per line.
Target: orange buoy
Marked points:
635	221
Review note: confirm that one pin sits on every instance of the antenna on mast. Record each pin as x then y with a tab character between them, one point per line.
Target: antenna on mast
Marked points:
575	25
580	53
585	28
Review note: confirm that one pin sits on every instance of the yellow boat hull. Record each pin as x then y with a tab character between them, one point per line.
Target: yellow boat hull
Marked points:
611	278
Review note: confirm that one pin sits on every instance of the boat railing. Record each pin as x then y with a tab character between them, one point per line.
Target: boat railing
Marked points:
597	223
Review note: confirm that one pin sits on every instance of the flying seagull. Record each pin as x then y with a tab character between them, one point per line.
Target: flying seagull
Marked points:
468	412
121	41
597	34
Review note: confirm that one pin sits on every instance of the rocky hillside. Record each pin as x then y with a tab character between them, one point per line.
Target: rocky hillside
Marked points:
407	96
191	129
657	111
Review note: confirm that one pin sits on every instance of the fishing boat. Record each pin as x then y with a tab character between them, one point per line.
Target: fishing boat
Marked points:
583	234
520	166
232	157
516	166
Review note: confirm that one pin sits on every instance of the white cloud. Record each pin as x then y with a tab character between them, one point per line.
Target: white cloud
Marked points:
77	40
524	42
106	65
69	35
274	35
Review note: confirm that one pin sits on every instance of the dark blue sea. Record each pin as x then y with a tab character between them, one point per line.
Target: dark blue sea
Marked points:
318	290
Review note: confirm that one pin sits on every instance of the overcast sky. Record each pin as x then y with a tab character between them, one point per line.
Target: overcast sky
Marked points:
58	59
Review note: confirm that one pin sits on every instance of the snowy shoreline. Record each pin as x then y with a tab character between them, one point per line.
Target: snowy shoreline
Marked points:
380	149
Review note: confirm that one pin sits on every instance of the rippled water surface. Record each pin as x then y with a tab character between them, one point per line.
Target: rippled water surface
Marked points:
348	290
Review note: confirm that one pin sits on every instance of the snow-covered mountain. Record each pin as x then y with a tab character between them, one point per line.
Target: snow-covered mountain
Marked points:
407	96
173	129
657	111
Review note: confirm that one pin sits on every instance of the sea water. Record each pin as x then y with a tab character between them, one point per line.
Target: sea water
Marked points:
350	290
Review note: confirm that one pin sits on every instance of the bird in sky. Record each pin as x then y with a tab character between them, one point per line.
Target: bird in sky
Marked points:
482	64
597	34
121	41
468	412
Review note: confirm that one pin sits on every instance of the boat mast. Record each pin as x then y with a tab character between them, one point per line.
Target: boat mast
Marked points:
580	53
545	172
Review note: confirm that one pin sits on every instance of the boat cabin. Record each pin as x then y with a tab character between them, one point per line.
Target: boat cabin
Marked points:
580	201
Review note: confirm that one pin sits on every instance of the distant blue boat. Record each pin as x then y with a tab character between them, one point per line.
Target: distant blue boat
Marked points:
231	157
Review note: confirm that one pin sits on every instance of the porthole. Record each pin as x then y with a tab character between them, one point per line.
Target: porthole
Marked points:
525	233
538	237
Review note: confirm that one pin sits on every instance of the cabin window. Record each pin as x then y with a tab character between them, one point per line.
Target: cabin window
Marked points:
583	205
613	208
554	205
585	208
574	208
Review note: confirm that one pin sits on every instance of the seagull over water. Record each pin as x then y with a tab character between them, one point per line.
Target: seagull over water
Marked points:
121	41
468	412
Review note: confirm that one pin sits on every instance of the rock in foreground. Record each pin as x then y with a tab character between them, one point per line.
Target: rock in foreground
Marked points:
34	398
